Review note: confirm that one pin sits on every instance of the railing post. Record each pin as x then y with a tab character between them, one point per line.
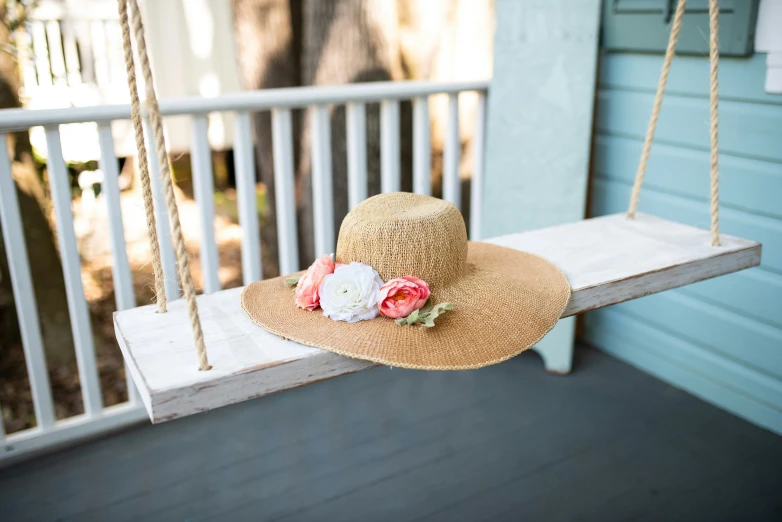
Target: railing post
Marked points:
246	198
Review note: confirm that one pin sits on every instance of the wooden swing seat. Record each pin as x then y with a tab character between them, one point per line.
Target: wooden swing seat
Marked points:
608	260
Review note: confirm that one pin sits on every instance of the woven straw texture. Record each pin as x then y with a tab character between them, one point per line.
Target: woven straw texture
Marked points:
504	300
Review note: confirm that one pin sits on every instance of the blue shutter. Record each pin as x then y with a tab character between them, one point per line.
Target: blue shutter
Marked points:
644	25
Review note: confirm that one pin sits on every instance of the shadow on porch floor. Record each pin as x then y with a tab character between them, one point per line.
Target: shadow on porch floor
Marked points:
508	442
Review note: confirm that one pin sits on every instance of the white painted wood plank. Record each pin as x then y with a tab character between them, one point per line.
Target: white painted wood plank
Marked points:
422	148
389	146
24	296
478	163
322	192
246	198
203	189
167	255
607	260
120	267
71	267
355	114
285	196
452	190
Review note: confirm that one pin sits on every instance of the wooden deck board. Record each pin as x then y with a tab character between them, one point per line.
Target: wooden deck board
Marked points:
508	442
607	260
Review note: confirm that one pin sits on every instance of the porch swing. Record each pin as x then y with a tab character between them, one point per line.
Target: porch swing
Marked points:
607	260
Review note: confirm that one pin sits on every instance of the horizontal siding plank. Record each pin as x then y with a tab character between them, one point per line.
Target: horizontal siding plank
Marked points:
746	129
652	352
726	333
609	196
740	78
747	184
696	359
754	293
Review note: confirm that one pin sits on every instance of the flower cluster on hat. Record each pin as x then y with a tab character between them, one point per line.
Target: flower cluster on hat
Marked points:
355	292
351	293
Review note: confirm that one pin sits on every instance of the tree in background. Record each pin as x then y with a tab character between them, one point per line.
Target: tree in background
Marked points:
42	251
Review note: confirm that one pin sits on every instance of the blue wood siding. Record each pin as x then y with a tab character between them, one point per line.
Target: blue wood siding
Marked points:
719	339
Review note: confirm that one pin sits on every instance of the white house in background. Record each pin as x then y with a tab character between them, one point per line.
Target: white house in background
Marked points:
72	57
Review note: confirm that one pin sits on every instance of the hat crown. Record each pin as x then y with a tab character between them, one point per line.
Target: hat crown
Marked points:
401	234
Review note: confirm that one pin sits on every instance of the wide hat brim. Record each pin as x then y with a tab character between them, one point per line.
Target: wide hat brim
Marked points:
505	303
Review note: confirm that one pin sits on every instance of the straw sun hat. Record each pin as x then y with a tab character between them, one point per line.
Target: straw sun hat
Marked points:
503	300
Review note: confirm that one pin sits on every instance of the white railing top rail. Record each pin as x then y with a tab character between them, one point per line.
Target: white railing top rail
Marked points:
288	97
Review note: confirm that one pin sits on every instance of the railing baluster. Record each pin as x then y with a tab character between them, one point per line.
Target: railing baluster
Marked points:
246	198
71	266
284	190
478	158
71	53
56	53
356	117
167	257
389	146
24	297
422	148
203	188
451	186
120	268
41	53
322	199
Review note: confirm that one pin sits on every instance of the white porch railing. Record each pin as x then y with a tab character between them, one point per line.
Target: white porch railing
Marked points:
97	418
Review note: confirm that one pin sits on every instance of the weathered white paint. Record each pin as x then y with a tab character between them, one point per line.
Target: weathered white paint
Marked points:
540	122
607	260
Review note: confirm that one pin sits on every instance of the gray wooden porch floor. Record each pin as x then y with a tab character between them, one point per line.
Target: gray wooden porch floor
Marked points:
508	442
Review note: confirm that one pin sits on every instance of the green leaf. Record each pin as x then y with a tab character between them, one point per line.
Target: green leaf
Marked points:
291	282
425	316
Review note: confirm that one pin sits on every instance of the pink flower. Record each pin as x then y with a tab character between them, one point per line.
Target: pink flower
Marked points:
307	295
402	296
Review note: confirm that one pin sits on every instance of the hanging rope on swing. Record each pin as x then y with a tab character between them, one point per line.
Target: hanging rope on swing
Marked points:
713	113
156	122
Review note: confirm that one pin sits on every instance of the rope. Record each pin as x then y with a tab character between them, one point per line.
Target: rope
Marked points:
714	56
146	189
658	101
713	98
165	172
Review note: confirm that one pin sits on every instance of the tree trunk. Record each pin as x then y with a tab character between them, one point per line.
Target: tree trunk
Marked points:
267	48
345	41
42	252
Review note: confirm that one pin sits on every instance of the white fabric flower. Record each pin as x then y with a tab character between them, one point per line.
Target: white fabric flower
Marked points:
351	293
